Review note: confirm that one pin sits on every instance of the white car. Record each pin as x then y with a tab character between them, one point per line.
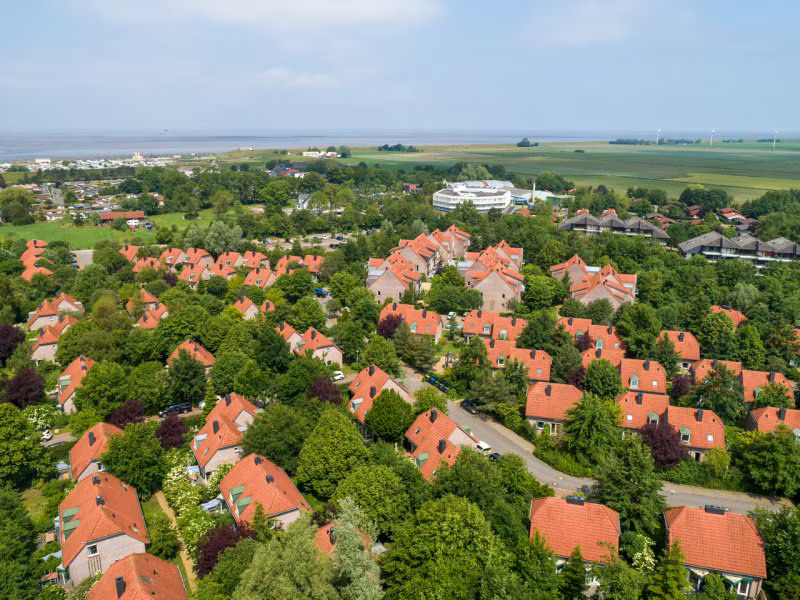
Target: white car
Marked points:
483	447
326	236
47	435
337	376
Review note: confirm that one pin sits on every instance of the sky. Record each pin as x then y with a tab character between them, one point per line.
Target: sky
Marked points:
566	65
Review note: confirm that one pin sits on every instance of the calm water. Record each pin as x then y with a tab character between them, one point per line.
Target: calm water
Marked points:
103	144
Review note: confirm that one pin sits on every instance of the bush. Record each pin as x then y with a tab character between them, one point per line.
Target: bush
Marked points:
171	432
561	460
164	542
691	472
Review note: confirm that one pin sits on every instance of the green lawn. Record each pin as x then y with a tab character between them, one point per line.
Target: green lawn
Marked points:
150	508
33	501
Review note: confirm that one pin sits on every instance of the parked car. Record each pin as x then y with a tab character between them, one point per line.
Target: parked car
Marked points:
326	236
337	376
321	292
469	407
333	246
437	383
494	456
339	237
483	447
47	435
175	409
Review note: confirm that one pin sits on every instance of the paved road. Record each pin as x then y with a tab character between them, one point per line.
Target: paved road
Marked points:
84	257
59	438
505	441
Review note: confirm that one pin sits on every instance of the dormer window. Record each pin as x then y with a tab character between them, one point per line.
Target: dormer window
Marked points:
634	382
686	436
413	327
487	329
503	334
501	360
756	392
599	344
652	418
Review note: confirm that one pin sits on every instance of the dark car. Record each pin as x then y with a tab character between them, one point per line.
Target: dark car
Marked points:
339	237
469	407
175	409
494	456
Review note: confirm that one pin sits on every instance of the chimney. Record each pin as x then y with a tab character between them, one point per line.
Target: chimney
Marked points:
270	479
533	353
610	329
639	398
91	438
772	376
424	312
782	413
442	446
577	500
95	480
257	460
99	500
548	390
491	343
372	370
569	321
227	399
513	321
647	365
434	414
714	364
394	305
119	585
480	312
700	415
313	333
681	335
372	391
331	536
598	352
216	426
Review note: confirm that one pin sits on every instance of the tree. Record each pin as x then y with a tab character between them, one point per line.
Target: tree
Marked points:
388	325
187	379
381	353
602	380
296	285
715	335
130	411
214	542
288	567
305	313
473	363
447	544
278	434
148	383
332	450
592	427
772	463
21	454
164	542
101	389
18	575
780	531
627	483
573	576
714	589
750	350
670	581
542	291
302	373
379	493
10	338
325	391
772	394
349	336
136	458
680	387
416	350
171	432
665	444
638	326
226	367
493	393
617	580
664	353
271	350
82	420
251	380
722	393
356	574
221	238
426	398
342	283
25	388
231	564
390	416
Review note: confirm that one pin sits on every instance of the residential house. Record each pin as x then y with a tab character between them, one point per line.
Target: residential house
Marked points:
426	256
701	370
260	277
612	355
639	409
584	222
731	215
140	576
84	456
142	299
33	251
574	269
287	264
147	263
70	380
368	384
129	251
433	439
194	350
547	404
172	257
453	239
420	321
714	540
199	257
152	317
255	260
266	307
715	246
230	259
288	333
195	273
567	523
108	217
247	307
33	269
391	278
686	345
754	381
220	439
499	287
736	316
644	375
491	324
596	283
46	343
700	428
47	312
255	481
502	352
769	418
313	263
100	523
603	337
222	270
320	346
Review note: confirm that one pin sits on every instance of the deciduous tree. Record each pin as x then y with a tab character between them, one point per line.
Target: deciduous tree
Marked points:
26	387
379	493
390	416
592	427
573	576
602	380
136	458
665	444
278	434
171	432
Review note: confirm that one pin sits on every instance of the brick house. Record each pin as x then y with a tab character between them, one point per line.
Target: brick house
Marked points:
260	277
320	346
129	251
152	317
139	576
219	440
502	352
84	456
199	257
547	404
420	321
754	381
147	262
491	324
172	257
255	260
46	343
433	439
70	380
143	299
195	273
391	278
498	287
700	428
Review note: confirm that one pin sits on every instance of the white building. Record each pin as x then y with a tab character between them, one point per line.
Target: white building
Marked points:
485	195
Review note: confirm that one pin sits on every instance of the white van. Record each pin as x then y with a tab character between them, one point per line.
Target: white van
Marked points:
484	448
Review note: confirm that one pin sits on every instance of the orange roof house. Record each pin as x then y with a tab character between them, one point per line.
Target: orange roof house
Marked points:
151	318
641	408
284	265
715	540
491	324
391	277
70	380
260	277
575	326
84	456
368	385
147	263
617	288
567	523
313	263
47	312
644	375
254	481
502	352
419	321
195	273
320	346
613	356
288	333
140	576
736	316
266	307
433	439
686	345
172	257
142	297
548	403
255	260
230	259
247	307
219	441
701	369
575	268
196	351
101	522
198	256
46	343
129	251
31	270
754	381
498	286
700	428
222	270
768	418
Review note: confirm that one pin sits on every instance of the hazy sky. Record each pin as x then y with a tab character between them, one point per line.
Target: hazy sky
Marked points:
420	64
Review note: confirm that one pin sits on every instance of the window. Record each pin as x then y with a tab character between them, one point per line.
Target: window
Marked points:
629	418
599	344
100	467
540	424
501	360
634	381
503	334
686	436
538	371
743	589
413	327
487	329
756	392
710	438
655	383
92	550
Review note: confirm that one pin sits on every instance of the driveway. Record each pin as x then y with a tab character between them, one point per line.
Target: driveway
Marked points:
505	441
58	439
84	257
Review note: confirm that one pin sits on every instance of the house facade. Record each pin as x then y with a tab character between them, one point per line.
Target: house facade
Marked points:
84	456
435	439
219	440
70	380
547	405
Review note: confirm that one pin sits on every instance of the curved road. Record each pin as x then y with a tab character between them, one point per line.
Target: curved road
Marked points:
506	441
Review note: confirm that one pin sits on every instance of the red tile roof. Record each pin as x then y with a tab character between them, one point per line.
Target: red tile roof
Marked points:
703	368
263	483
172	257
567	523
501	352
32	270
266	306
228	259
737	317
286	331
221	270
322	538
194	273
706	433
478	321
196	351
427	321
639	407
728	543
313	340
71	377
152	317
686	345
207	441
651	375
592	354
561	268
194	255
432	431
767	418
259	277
313	263
144	576
282	267
367	386
51	333
48	308
551	400
243	304
754	381
91	445
143	297
575	325
118	513
129	251
124	214
146	263
253	260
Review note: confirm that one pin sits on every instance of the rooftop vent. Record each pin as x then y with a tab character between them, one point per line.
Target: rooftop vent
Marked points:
610	329
257	460
772	376
491	343
372	369
227	399
215	426
95	480
782	413
270	479
647	365
548	390
99	500
424	312
119	585
331	535
480	312
372	391
681	335
513	321
700	414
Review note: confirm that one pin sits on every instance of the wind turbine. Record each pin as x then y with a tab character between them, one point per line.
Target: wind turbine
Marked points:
658	134
711	143
775	139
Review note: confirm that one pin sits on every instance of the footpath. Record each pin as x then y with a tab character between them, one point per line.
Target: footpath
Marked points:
188	564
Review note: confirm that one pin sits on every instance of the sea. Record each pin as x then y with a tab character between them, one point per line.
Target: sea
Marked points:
24	146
